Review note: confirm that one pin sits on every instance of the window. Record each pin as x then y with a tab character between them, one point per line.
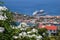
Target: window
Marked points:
54	30
50	30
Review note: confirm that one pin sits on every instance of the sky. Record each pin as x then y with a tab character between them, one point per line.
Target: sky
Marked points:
52	7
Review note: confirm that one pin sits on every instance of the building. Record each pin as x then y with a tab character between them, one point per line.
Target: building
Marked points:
51	29
58	26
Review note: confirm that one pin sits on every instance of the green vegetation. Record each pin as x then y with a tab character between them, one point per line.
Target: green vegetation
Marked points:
42	30
9	32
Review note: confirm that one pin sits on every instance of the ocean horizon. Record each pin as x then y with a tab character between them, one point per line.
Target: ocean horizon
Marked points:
51	7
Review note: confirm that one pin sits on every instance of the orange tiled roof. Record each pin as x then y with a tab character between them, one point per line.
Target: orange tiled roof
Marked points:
51	27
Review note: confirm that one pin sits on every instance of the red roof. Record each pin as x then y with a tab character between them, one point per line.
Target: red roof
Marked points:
52	27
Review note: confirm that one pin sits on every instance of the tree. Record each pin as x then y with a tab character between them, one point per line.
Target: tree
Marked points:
41	31
8	33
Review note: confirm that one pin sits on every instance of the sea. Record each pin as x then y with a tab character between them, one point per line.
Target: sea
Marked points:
51	7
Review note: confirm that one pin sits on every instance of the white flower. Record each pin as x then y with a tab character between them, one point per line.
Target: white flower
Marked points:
1	29
2	17
20	34
29	36
3	8
29	32
33	35
34	30
43	33
23	34
15	37
38	37
22	29
13	27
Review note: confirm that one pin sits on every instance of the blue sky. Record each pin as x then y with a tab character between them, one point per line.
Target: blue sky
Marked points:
52	7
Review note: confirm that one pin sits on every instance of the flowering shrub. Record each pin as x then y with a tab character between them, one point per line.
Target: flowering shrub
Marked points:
29	33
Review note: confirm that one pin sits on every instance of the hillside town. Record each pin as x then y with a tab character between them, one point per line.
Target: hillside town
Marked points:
38	18
30	26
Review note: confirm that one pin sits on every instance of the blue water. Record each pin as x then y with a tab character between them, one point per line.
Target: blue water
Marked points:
15	23
52	7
